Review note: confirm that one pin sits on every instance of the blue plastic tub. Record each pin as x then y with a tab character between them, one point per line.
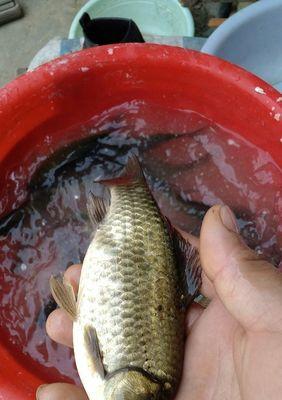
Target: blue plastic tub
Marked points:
252	39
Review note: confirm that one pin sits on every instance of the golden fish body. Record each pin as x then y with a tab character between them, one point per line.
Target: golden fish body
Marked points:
128	330
130	290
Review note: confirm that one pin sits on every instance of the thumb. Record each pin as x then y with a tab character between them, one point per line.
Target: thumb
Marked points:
250	288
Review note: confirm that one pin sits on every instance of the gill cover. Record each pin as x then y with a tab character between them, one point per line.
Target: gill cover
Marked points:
131	385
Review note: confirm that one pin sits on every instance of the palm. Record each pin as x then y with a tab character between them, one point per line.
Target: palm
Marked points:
223	361
209	368
229	355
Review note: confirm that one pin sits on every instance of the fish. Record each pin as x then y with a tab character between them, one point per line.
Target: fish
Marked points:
138	278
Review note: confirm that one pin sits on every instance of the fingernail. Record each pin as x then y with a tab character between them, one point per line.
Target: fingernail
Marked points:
39	391
228	219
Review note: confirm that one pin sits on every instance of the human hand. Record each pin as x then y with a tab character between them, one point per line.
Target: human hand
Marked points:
233	347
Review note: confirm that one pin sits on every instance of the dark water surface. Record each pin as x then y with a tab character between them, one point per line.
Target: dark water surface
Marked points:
190	166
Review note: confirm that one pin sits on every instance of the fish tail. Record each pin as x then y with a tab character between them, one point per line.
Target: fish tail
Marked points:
132	173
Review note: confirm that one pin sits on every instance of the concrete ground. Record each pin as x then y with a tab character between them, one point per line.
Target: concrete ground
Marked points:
20	40
45	19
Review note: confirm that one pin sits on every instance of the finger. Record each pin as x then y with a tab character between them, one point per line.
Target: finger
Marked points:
72	275
59	327
207	288
250	288
194	312
59	391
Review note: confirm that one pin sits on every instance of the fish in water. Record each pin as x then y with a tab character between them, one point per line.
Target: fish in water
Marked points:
138	278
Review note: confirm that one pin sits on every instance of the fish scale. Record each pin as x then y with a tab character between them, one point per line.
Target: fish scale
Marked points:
129	318
137	314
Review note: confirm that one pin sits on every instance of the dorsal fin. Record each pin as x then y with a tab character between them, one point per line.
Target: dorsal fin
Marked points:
131	173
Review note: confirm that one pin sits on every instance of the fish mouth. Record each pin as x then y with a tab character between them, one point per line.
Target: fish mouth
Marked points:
135	383
142	371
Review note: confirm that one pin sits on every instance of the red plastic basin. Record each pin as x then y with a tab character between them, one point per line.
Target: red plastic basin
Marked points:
68	91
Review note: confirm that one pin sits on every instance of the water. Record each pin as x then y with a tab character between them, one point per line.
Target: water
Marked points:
190	166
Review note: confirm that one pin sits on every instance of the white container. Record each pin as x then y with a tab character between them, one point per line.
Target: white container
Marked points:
153	17
252	39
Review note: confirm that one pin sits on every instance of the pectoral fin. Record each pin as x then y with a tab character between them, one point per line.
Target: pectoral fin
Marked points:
93	349
64	296
189	267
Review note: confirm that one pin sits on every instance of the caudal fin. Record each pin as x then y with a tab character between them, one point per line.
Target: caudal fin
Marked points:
131	173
